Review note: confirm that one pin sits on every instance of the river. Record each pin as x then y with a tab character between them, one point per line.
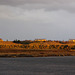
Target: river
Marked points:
38	66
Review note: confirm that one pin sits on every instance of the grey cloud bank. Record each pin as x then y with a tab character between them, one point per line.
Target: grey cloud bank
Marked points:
31	19
39	4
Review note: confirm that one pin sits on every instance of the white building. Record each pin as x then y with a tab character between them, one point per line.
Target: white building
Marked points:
71	40
40	40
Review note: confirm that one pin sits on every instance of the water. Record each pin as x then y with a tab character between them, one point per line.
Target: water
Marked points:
38	66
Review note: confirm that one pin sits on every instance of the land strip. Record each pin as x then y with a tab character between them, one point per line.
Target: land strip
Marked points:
34	53
36	49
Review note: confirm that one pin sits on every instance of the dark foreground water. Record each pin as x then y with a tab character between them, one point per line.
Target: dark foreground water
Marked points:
38	66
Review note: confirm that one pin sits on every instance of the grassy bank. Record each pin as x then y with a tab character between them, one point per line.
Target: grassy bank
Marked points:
36	49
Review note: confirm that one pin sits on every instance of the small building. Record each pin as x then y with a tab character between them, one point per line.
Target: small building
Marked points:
40	40
71	40
1	40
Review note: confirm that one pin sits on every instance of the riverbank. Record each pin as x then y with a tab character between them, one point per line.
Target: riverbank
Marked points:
35	52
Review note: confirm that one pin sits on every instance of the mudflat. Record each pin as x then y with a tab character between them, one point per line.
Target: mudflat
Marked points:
34	52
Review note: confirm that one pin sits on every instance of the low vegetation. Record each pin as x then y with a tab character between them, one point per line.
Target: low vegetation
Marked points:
28	44
30	48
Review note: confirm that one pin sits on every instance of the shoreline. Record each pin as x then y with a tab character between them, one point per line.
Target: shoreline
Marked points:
35	52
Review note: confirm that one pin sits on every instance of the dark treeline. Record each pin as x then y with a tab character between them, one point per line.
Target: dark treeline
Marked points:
23	42
26	41
30	41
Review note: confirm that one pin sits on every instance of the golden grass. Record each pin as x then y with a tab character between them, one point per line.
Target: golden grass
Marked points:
8	43
10	49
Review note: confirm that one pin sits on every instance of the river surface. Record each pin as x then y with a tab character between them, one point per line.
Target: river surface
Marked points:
38	66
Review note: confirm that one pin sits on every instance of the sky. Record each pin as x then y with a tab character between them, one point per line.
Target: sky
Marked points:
37	19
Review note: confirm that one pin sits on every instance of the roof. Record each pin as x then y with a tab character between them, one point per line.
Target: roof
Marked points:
40	39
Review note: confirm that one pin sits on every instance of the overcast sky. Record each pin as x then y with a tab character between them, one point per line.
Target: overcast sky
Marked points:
37	19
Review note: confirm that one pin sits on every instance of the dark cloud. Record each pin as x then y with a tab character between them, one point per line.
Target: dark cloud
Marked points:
20	2
49	5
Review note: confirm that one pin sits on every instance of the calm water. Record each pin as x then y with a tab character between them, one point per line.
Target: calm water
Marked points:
38	66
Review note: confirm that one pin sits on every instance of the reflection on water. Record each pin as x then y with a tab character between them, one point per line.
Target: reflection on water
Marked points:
38	66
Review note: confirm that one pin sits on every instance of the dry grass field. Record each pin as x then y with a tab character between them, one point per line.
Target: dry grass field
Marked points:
39	49
7	43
